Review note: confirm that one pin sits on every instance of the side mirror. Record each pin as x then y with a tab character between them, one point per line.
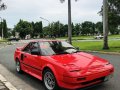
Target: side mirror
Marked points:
35	52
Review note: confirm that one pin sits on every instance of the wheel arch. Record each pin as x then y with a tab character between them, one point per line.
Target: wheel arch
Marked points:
16	59
50	67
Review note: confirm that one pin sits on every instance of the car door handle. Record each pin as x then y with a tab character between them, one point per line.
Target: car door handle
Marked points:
23	56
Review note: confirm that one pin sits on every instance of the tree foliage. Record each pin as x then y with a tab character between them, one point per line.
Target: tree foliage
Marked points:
58	29
37	29
77	29
113	15
99	28
88	28
2	5
23	28
3	27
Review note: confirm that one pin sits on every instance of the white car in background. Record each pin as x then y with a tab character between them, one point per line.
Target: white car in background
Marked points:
98	37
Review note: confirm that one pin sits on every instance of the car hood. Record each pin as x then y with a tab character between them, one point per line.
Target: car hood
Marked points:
79	60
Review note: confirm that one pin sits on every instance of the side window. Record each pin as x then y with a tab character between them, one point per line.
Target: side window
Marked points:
35	48
27	48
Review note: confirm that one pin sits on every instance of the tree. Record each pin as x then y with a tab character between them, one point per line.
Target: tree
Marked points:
5	29
2	5
77	29
23	28
99	28
111	15
88	28
33	33
57	29
114	21
64	30
13	32
114	6
46	31
69	21
37	29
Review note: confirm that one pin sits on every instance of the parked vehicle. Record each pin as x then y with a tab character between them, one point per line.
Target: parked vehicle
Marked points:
99	37
59	64
13	39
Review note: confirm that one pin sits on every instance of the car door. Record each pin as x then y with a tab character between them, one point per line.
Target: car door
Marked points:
25	57
35	59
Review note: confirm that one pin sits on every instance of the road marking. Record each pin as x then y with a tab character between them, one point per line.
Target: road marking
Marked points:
7	84
2	78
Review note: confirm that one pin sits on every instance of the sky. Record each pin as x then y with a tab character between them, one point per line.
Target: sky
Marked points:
52	10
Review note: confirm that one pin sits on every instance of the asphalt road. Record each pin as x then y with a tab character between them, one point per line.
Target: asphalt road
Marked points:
27	82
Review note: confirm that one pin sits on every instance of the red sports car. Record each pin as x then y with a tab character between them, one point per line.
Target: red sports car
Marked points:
59	64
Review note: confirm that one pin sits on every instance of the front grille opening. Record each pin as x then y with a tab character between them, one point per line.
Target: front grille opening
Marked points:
79	79
92	81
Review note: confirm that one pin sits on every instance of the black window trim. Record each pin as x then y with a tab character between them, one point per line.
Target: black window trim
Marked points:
30	44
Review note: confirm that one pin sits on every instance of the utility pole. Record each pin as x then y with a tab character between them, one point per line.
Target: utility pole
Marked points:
105	24
69	23
47	21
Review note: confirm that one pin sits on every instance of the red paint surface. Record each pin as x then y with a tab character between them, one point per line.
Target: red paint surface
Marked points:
71	70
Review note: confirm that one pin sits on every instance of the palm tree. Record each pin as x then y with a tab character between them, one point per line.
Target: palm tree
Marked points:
2	6
69	21
105	24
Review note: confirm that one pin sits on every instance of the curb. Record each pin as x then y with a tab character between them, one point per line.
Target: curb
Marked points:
6	83
102	52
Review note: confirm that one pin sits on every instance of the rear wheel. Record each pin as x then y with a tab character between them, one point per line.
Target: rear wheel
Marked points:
18	66
49	80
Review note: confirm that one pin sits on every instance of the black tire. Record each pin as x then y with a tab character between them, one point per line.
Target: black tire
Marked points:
18	66
50	83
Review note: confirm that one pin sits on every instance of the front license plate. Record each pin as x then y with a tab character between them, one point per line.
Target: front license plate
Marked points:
108	77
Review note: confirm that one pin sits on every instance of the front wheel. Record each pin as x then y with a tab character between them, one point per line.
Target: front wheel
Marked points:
18	67
49	80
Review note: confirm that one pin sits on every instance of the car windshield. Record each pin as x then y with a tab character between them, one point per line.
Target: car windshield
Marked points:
56	48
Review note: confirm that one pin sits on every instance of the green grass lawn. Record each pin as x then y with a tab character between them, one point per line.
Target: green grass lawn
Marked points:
78	37
1	41
114	36
90	37
97	45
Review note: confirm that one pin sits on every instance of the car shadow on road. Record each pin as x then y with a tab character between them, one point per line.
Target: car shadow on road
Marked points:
32	81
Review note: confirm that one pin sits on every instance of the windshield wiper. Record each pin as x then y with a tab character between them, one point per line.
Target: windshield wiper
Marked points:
61	53
69	48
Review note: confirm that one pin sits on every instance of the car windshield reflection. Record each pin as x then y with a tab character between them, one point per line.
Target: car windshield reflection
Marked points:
56	48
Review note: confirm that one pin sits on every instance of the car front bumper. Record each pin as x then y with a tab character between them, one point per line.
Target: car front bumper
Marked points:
86	81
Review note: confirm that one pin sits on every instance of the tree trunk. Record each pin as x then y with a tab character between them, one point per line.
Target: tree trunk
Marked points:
105	24
69	23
